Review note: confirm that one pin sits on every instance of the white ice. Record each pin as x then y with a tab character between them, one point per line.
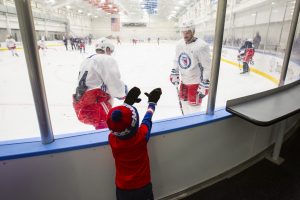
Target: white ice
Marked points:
146	66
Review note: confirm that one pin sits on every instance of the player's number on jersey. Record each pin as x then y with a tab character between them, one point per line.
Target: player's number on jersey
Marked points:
83	79
81	88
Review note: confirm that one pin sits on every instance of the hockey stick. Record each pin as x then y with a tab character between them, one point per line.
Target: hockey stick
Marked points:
180	104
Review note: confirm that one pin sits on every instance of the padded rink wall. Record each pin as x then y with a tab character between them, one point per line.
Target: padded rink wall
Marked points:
20	46
184	151
179	160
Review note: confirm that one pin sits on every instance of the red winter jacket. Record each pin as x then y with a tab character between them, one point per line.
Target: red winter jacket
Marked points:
131	155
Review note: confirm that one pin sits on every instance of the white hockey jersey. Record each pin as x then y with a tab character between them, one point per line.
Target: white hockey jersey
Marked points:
10	43
102	72
193	61
42	44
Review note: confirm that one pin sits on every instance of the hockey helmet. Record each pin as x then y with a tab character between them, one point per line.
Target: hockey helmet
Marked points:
103	43
249	40
188	26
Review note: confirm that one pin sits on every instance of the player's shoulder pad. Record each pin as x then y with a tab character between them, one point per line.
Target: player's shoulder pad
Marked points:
201	43
103	58
180	42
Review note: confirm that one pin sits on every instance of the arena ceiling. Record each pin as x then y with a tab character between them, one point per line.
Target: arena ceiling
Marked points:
133	8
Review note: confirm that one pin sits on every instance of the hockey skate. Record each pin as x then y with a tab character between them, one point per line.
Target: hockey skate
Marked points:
244	72
245	68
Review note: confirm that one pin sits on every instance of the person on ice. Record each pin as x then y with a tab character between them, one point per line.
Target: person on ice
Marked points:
193	63
82	46
65	40
128	142
41	44
11	45
246	53
99	81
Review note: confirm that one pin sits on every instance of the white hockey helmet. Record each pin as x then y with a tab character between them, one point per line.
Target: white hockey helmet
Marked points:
249	40
188	26
103	43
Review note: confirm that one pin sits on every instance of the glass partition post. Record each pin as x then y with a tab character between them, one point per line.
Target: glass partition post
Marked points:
267	35
45	23
231	19
217	51
255	20
282	25
27	29
8	27
289	43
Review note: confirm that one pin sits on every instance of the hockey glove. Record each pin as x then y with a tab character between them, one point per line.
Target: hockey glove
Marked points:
132	96
154	95
174	77
203	88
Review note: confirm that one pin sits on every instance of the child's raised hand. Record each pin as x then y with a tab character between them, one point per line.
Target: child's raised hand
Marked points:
132	96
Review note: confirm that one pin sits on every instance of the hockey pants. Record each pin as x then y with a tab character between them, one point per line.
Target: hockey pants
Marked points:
245	67
93	107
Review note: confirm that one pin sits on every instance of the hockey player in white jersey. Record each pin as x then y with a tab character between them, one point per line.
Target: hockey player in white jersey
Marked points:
99	81
192	64
11	45
42	45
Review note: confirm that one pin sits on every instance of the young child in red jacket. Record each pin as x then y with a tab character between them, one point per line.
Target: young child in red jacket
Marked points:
128	142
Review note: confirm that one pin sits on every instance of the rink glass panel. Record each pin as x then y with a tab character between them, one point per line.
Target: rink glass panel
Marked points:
17	110
271	20
145	65
293	72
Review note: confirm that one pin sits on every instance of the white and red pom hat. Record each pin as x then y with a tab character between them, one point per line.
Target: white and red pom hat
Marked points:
123	121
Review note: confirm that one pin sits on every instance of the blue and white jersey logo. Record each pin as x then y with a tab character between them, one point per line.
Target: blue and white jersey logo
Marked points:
184	61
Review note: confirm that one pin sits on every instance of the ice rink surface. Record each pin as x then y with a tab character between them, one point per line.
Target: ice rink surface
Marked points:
145	65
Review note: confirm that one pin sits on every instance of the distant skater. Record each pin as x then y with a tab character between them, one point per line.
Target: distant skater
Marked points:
72	41
65	40
42	45
11	45
134	41
82	46
118	40
246	53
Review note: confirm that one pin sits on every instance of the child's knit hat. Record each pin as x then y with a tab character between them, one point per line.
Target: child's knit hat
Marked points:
123	121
